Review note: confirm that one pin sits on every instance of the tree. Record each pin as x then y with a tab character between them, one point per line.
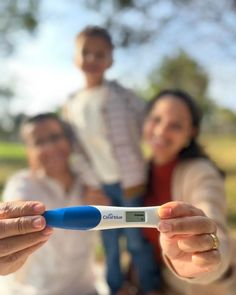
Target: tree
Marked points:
181	72
16	17
225	120
140	21
6	94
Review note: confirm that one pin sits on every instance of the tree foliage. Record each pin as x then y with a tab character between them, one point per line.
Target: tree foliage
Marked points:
181	72
139	21
16	17
223	120
136	22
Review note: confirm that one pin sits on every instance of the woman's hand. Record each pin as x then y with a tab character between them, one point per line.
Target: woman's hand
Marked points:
186	240
22	231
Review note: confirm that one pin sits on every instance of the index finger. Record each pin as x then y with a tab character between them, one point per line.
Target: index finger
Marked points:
20	208
177	209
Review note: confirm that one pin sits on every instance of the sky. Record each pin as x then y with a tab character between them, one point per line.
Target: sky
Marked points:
44	74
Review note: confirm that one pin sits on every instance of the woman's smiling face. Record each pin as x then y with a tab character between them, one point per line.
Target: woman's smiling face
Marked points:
168	128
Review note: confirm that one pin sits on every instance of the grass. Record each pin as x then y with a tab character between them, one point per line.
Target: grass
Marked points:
221	148
12	158
11	151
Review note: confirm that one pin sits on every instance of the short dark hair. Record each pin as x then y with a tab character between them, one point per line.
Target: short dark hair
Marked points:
96	31
32	120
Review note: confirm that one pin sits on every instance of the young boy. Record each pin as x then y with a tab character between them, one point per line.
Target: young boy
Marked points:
108	120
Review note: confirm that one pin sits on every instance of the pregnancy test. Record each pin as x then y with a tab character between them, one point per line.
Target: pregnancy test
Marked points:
102	217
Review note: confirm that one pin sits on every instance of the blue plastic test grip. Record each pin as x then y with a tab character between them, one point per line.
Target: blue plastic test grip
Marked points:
102	217
81	217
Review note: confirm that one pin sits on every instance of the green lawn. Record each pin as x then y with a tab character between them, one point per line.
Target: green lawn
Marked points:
12	151
12	158
222	149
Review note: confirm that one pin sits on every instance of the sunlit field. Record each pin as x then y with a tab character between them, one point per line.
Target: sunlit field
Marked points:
222	149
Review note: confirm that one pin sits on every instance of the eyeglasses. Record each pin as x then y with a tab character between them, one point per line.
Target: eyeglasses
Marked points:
53	138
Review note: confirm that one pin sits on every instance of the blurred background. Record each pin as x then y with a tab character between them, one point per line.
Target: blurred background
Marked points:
159	43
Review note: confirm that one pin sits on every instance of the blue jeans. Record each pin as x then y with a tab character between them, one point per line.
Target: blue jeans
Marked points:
139	248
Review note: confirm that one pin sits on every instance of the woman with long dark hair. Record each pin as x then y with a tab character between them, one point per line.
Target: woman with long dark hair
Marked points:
193	239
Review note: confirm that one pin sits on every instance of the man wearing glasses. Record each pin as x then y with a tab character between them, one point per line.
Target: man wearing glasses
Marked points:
65	264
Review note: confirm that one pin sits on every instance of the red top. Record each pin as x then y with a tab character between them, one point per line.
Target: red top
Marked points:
158	193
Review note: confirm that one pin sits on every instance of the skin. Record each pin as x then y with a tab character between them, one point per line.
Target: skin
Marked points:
22	231
185	239
52	158
168	129
93	56
184	229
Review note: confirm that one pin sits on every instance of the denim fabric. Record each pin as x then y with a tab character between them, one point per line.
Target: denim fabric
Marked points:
140	250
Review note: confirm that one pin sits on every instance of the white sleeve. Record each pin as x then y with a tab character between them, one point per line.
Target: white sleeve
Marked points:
83	165
17	188
84	168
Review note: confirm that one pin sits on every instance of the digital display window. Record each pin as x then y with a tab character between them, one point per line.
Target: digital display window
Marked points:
135	216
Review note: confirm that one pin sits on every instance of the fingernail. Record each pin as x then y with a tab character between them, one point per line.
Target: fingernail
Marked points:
38	222
39	208
47	231
164	227
164	212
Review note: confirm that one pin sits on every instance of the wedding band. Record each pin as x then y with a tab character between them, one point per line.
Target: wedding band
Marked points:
215	242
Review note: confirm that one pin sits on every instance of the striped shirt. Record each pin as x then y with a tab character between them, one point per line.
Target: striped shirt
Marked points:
123	114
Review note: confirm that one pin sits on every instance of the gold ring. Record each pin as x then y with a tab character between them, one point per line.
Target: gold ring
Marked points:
216	242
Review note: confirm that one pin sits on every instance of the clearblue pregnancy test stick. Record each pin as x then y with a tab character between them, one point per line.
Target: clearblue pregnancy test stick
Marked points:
102	217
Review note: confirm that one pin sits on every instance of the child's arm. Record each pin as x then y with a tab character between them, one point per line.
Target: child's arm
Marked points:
83	165
85	170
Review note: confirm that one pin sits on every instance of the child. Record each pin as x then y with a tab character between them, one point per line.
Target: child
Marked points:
108	120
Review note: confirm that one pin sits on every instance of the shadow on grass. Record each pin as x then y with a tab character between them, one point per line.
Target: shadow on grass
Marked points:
231	218
13	162
230	171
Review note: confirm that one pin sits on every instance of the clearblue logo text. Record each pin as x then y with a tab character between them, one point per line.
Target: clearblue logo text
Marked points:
111	216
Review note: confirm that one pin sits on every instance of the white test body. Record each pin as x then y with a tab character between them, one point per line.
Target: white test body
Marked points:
116	217
102	217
